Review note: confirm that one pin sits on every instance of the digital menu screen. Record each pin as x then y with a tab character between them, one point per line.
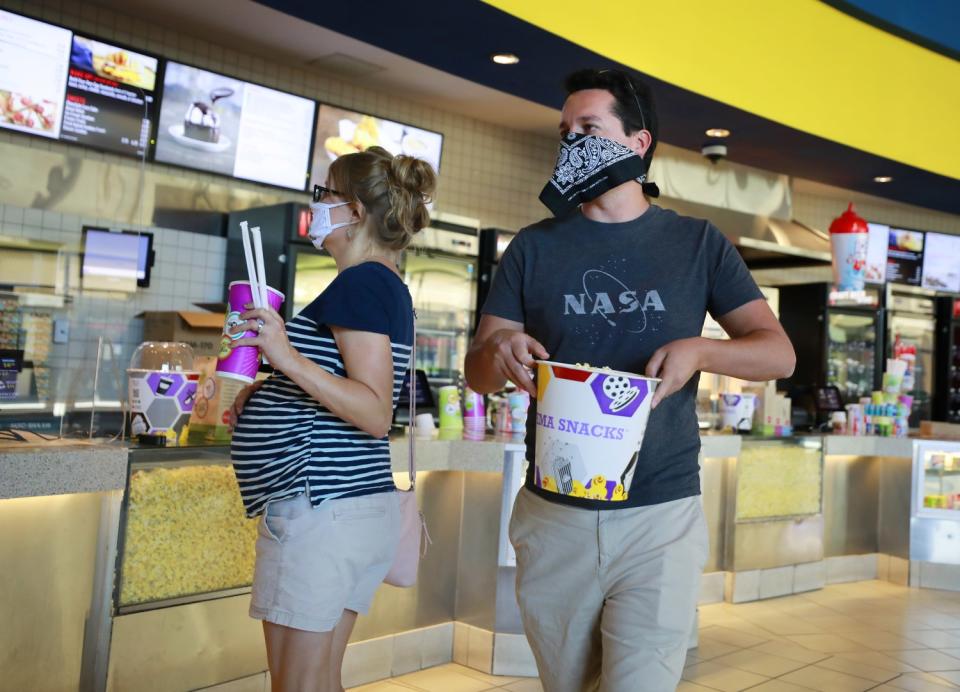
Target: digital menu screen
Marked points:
904	256
878	240
216	123
33	74
342	132
111	260
110	97
941	262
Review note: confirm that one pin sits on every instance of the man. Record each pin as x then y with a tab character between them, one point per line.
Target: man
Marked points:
608	589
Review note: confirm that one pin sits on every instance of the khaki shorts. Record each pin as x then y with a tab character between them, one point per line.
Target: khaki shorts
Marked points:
608	598
314	563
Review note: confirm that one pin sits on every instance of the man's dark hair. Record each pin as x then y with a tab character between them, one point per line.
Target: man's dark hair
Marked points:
633	100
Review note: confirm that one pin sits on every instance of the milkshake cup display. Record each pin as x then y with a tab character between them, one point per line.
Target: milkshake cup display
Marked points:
848	244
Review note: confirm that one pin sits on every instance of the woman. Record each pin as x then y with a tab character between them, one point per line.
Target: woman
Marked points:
310	445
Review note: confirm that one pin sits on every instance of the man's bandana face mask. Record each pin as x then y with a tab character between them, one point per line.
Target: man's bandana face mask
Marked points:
321	226
587	167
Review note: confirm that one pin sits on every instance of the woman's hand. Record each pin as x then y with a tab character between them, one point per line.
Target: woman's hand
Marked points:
272	337
243	396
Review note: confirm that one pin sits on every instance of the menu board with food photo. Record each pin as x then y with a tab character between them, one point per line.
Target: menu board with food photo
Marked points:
110	97
342	132
33	74
941	262
215	123
904	256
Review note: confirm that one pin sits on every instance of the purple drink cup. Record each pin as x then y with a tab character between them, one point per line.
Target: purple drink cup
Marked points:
242	362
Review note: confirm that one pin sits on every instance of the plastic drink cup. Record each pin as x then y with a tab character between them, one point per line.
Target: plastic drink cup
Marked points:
504	422
241	363
449	406
424	425
519	403
474	414
590	426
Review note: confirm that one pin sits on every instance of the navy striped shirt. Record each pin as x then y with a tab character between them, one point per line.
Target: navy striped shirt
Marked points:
285	442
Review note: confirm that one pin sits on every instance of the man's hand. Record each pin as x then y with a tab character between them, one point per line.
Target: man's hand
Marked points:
675	363
512	353
243	396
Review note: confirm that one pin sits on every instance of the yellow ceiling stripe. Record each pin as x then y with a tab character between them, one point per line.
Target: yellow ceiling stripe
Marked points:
800	63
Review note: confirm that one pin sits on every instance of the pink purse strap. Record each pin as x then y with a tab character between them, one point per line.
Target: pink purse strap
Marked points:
412	472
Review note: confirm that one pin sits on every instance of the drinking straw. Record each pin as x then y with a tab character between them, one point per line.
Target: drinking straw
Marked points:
261	272
251	271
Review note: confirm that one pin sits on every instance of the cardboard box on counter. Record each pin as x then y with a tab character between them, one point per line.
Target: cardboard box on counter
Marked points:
200	330
939	430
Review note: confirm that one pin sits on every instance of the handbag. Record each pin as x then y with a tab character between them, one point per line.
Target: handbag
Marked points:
412	544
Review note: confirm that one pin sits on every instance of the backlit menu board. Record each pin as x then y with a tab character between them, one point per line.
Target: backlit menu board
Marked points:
941	262
110	97
904	256
342	132
215	123
878	240
33	74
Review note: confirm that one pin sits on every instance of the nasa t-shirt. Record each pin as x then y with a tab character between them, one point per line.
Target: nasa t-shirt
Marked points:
611	294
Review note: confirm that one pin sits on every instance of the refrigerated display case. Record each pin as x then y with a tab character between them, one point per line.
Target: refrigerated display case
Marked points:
311	272
935	505
946	402
839	340
853	352
493	243
911	320
440	269
283	229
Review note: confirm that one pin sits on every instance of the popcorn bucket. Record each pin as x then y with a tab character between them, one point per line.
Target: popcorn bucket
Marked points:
737	411
590	425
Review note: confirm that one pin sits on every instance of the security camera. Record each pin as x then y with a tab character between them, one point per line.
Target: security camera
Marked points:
714	151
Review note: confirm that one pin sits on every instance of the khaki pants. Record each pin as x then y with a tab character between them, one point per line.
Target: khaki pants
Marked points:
608	598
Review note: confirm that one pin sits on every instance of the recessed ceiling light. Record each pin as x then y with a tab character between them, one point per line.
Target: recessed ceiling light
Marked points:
882	178
718	132
505	58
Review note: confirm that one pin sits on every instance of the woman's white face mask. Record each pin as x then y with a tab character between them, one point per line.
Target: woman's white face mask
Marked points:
322	226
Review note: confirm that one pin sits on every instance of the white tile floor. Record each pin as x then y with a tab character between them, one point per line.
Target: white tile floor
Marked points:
860	636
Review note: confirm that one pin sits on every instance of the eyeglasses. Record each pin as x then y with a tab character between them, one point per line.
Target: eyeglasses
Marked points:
622	76
319	192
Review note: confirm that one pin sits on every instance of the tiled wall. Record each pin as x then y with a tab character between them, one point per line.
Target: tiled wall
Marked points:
189	268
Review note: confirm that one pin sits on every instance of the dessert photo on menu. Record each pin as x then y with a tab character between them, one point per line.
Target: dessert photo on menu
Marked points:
199	119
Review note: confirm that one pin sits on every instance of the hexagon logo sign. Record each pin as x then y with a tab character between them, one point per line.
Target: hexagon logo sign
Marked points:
618	395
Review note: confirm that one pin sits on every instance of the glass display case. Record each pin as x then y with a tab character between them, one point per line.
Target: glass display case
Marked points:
778	479
444	293
852	353
935	521
938	484
184	535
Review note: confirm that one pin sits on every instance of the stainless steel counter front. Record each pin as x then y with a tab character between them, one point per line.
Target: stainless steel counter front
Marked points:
771	506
